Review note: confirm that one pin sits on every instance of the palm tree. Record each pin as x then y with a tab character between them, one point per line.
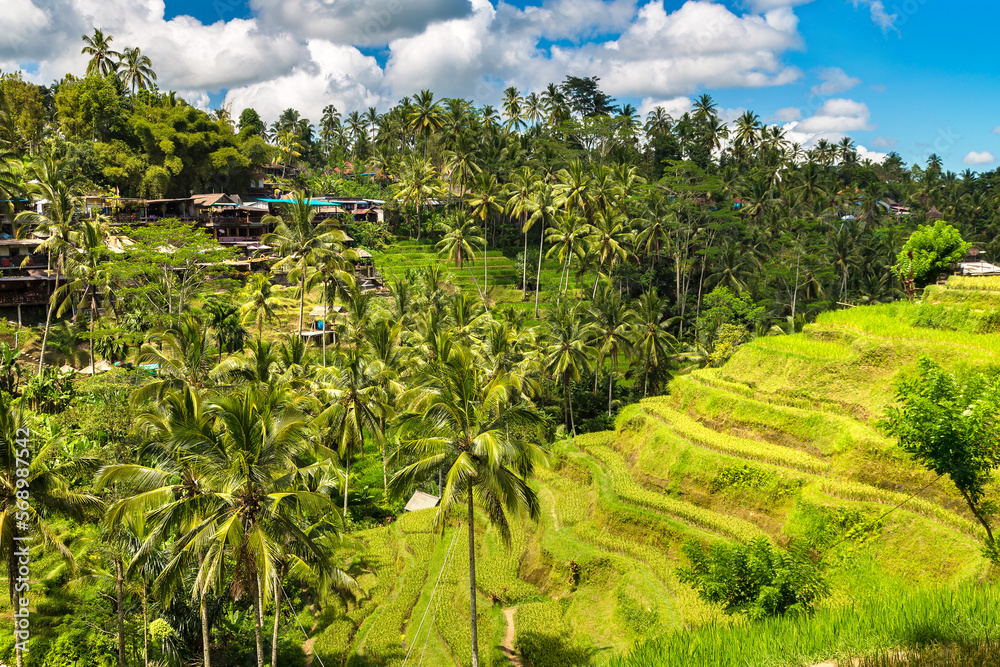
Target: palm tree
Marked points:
485	204
467	423
289	147
567	352
418	182
300	242
610	241
136	70
543	210
103	60
426	116
49	182
567	236
259	300
253	464
653	342
521	202
512	101
86	273
171	490
181	354
51	495
351	408
612	321
461	238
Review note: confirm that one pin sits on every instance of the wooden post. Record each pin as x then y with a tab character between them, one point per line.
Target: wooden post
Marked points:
17	332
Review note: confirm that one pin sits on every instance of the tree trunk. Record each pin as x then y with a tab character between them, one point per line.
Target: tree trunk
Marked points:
486	264
538	277
472	581
206	640
258	620
347	476
419	224
326	319
277	617
611	381
145	629
524	272
302	296
120	599
48	324
93	314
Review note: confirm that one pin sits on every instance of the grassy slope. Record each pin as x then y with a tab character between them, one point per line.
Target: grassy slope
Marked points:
617	506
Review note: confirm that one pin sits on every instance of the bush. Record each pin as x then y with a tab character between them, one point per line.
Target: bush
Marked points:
756	580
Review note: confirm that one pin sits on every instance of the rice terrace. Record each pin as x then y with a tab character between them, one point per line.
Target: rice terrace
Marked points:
509	333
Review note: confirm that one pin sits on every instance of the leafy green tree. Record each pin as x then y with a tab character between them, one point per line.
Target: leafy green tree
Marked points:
951	426
418	182
756	580
653	344
568	352
466	422
934	249
22	107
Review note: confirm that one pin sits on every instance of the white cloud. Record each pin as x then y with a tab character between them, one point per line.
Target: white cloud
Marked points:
834	80
788	114
676	107
333	74
880	16
979	159
878	87
767	5
865	154
996	130
838	115
884	142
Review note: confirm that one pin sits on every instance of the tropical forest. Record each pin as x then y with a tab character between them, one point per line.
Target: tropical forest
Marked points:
543	384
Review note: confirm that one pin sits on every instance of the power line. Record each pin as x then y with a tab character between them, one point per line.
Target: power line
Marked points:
431	601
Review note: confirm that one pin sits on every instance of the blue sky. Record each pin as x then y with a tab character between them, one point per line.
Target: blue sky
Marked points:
914	76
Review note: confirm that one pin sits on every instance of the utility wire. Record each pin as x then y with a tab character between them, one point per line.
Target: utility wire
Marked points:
431	601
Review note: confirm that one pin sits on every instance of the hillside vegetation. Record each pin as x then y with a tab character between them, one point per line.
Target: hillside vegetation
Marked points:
779	442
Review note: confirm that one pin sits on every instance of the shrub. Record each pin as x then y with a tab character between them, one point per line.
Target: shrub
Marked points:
756	580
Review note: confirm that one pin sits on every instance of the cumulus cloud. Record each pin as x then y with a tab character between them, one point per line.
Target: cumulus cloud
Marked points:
979	158
880	16
838	115
333	74
676	107
865	154
833	80
787	114
884	142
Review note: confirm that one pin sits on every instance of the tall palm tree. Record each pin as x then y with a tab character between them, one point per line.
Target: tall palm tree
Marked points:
136	70
520	203
259	300
610	241
485	204
461	238
103	59
653	343
612	322
426	116
50	182
543	210
468	422
86	272
351	408
567	237
568	352
181	354
418	182
300	242
512	102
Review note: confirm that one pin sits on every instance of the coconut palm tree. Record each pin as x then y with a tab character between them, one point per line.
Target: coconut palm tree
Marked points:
86	273
568	352
103	59
512	102
50	182
567	237
520	203
418	182
468	422
610	241
426	116
254	460
485	204
653	343
136	70
301	243
351	408
259	299
612	322
543	210
461	239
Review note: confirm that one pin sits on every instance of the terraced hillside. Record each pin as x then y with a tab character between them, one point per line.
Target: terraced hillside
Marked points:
779	442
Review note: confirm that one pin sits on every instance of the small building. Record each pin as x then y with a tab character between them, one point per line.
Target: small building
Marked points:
421	501
19	254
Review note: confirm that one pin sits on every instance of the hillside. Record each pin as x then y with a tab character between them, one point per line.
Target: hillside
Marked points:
779	442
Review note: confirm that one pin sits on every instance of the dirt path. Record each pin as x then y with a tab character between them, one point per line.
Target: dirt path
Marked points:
554	517
508	640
